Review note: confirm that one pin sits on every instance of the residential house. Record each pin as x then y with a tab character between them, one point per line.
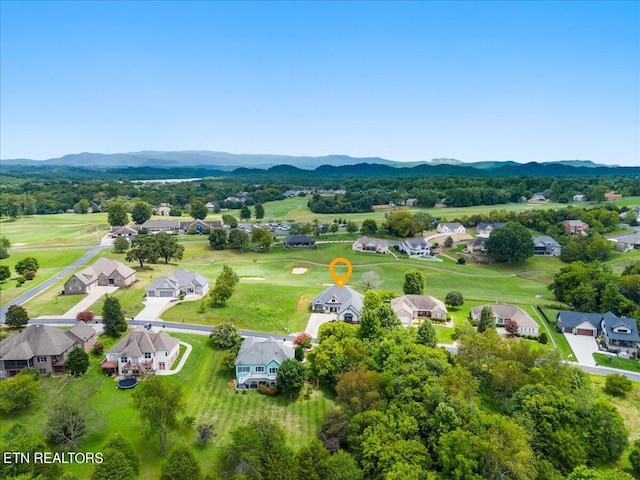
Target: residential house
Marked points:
154	226
258	361
180	282
413	309
415	247
212	206
578	323
299	241
579	198
485	229
478	245
142	351
42	347
411	202
544	245
200	226
503	312
611	195
291	193
620	333
538	197
626	243
126	232
163	209
345	302
373	245
455	227
103	273
575	227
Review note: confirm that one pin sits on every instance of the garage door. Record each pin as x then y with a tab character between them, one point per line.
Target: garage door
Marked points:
166	294
584	331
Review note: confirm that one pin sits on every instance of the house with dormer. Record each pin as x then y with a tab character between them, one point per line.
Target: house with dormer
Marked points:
415	247
344	302
546	246
455	227
258	361
484	229
620	333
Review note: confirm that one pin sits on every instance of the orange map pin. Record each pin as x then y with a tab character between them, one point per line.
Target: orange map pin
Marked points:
340	280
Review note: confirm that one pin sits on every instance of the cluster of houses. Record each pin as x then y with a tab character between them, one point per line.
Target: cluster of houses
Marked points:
168	226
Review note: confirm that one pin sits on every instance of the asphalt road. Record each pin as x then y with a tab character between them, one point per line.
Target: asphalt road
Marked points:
205	330
46	284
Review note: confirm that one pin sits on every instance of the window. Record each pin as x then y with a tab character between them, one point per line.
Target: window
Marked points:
259	369
244	369
123	359
41	359
273	369
43	371
147	355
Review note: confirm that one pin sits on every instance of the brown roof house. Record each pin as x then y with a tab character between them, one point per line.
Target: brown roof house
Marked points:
42	347
575	227
140	352
503	312
103	273
413	309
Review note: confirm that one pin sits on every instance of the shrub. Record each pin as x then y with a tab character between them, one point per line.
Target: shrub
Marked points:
267	390
543	338
98	348
461	261
303	340
85	316
188	421
617	385
299	353
30	274
20	281
205	432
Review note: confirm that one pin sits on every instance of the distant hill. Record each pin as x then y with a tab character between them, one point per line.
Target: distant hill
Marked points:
203	159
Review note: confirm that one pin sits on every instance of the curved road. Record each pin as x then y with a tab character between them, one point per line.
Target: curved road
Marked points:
46	284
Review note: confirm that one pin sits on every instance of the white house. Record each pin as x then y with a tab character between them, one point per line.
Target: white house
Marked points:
258	362
373	245
503	312
455	227
140	352
415	247
180	282
413	309
345	302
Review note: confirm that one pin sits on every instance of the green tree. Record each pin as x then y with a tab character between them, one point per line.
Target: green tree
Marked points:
400	224
634	456
245	213
291	377
218	238
487	319
454	299
230	220
448	242
70	418
426	334
617	385
259	211
77	361
414	283
167	247
82	206
225	285
512	243
18	392
16	316
144	248
141	212
369	227
5	245
352	227
198	209
113	318
118	442
27	264
175	212
158	405
342	466
114	466
120	245
181	465
261	238
238	239
117	215
225	335
358	390
370	327
18	439
5	273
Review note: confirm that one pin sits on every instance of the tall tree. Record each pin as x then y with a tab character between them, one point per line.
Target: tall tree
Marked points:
168	247
225	285
18	392
261	238
454	299
370	327
426	334
71	419
259	211
400	224
414	283
158	405
124	466
5	245
225	335
230	220
27	264
113	318
238	239
245	213
16	316
198	209
352	227
141	212
144	248
291	377
369	227
117	215
180	465
218	238
487	320
120	245
512	243
77	361
5	273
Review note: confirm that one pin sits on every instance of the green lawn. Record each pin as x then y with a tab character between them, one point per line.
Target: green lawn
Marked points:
64	229
208	397
560	340
616	362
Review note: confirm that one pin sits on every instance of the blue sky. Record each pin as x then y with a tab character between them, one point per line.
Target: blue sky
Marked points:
523	81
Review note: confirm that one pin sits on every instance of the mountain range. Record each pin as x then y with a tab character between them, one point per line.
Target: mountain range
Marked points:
224	161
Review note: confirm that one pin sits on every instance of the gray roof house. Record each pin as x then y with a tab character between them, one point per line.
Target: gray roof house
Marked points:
258	361
103	272
626	243
620	333
413	309
578	323
415	247
484	229
141	351
42	347
345	302
503	312
455	227
478	245
161	225
181	281
125	231
544	245
298	241
373	245
83	335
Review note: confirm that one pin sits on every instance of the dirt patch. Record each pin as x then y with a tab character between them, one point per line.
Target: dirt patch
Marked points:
299	270
303	302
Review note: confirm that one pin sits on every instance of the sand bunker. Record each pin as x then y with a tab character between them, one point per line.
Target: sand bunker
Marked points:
252	278
299	270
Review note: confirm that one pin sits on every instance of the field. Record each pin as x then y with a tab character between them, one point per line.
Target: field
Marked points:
208	397
64	229
616	362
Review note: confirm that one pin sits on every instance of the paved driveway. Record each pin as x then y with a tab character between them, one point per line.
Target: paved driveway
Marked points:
92	297
153	307
583	348
317	319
